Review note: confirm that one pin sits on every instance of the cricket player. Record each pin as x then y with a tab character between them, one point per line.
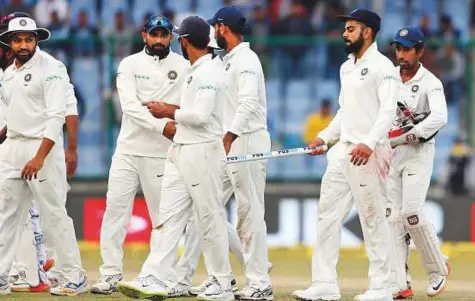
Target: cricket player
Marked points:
358	163
245	131
34	88
422	113
192	176
139	159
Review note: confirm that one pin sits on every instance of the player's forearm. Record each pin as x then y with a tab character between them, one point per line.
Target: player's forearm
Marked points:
243	113
333	129
72	125
45	148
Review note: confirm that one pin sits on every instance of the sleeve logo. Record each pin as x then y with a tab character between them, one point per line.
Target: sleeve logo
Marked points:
227	66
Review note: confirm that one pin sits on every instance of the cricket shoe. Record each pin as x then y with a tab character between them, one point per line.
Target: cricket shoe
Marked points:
69	288
437	282
215	292
196	290
106	285
254	293
144	288
319	291
375	295
13	278
403	295
4	287
178	291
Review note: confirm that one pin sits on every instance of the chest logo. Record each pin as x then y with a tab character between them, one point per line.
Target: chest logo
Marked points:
364	71
172	75
28	76
190	79
415	88
227	66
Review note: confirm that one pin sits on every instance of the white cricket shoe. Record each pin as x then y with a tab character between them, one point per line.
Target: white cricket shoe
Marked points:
106	285
68	288
144	288
178	291
4	288
437	282
319	291
255	293
375	295
214	292
196	290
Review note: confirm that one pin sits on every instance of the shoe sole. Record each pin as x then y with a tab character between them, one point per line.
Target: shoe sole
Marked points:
449	269
98	291
133	292
269	298
230	297
320	299
69	295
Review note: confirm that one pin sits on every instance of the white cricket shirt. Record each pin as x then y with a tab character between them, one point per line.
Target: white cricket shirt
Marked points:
368	100
199	119
422	94
245	104
142	78
35	95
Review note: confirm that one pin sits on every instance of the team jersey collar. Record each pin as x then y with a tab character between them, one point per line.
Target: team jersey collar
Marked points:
30	62
200	61
417	77
373	48
240	46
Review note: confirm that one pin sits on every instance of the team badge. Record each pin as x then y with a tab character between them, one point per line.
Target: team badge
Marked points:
364	71
190	79
172	75
415	88
227	66
403	32
23	22
28	77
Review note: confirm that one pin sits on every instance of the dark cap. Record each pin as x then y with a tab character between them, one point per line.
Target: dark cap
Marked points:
231	17
157	21
365	16
410	37
195	29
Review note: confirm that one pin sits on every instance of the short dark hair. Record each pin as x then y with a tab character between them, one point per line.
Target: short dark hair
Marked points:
198	42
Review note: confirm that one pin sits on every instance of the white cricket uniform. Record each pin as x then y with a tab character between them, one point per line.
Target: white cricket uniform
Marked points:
141	150
368	97
190	258
410	175
3	103
36	109
192	178
245	114
31	254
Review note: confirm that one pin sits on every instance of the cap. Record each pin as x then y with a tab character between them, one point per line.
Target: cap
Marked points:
157	21
365	16
230	16
6	19
24	24
410	37
194	28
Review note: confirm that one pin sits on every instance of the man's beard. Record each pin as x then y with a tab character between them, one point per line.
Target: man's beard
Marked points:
162	51
221	41
184	52
354	46
25	57
3	61
407	66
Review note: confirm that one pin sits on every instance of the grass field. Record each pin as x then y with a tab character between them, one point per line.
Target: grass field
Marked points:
292	271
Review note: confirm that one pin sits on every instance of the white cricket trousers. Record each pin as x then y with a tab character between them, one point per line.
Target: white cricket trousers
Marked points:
15	201
126	173
407	185
192	182
248	182
342	183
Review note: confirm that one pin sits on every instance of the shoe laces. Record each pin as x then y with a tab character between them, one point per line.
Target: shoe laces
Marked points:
108	278
434	278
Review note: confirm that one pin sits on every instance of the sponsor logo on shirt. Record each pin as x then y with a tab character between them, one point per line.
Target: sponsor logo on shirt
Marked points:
190	79
138	76
207	88
50	78
247	72
389	77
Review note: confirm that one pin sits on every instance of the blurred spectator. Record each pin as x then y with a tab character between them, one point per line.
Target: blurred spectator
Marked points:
318	121
123	33
425	27
59	44
458	162
447	30
19	6
85	37
259	30
44	8
296	31
332	28
452	68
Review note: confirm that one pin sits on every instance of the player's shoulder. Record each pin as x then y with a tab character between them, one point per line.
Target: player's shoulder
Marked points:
131	60
383	62
246	57
430	79
177	61
47	61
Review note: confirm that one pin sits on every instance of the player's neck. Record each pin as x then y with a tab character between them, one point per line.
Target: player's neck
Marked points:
232	43
19	63
197	55
407	75
363	50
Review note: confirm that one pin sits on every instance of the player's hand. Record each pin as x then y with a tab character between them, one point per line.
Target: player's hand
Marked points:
160	109
316	145
170	130
31	169
71	155
360	154
228	141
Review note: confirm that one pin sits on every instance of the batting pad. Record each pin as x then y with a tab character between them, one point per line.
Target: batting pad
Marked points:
425	238
399	249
